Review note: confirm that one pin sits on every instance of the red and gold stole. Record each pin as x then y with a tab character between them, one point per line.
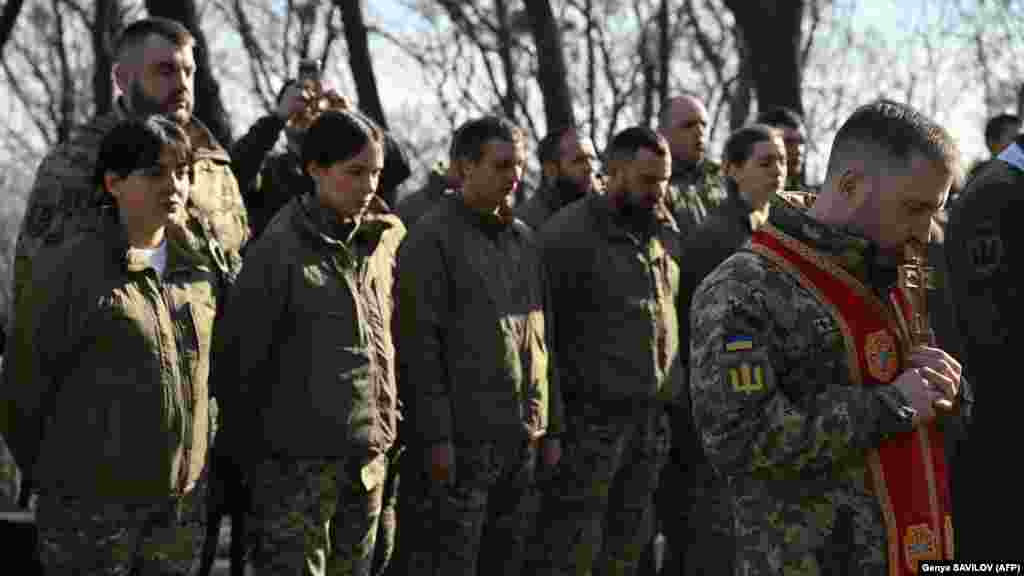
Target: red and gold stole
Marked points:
908	472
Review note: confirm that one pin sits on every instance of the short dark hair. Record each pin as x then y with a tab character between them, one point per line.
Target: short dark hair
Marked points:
137	32
138	143
549	149
740	143
897	131
337	136
469	140
781	117
625	145
998	125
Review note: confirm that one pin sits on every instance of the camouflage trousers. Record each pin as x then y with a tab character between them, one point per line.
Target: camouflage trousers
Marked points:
78	536
596	516
479	525
316	516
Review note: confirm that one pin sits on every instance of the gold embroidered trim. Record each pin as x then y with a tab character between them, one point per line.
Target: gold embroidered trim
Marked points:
882	493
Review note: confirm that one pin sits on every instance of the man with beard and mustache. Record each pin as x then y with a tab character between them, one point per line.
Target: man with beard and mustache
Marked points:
696	186
612	261
567	158
155	70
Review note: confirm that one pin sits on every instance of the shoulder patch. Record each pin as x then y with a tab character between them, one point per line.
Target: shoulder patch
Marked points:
985	249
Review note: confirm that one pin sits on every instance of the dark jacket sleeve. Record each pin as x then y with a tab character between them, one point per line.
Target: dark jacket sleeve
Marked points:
249	151
422	302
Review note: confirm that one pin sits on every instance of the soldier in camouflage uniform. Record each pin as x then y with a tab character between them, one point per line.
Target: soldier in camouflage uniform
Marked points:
699	531
313	306
613	264
155	71
808	392
696	186
475	373
568	159
112	418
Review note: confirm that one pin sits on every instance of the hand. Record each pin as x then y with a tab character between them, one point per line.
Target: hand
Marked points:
552	452
942	371
292	102
337	101
442	463
921	394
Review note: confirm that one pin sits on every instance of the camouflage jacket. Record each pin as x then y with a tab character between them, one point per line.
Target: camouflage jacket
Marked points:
694	192
794	449
473	331
114	402
615	303
64	203
305	365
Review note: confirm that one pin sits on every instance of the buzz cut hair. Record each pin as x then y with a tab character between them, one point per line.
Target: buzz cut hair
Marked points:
626	144
665	111
469	140
894	132
136	33
549	149
999	125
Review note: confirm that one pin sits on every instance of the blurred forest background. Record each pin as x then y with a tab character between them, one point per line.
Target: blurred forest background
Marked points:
421	67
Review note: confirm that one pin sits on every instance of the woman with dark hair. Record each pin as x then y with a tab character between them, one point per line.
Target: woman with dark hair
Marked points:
311	411
113	421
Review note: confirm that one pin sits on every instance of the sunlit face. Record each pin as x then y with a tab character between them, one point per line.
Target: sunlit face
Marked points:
763	174
687	131
348	186
576	163
642	181
147	197
898	204
163	80
493	178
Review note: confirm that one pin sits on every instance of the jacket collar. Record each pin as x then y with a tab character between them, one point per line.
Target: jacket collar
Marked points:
182	246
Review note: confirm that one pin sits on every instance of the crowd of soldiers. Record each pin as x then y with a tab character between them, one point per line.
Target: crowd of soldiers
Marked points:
714	357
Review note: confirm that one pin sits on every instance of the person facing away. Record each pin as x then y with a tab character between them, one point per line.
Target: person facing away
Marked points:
812	392
113	416
476	373
308	387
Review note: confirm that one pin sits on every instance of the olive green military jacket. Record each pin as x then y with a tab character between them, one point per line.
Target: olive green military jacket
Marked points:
305	365
473	330
114	404
63	203
615	301
694	193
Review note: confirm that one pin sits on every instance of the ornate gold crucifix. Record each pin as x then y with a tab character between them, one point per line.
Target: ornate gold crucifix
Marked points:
917	278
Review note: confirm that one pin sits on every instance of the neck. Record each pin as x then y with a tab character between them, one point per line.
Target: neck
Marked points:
756	203
478	204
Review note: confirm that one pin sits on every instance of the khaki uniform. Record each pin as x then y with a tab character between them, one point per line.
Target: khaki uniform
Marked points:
474	370
308	388
694	191
116	367
615	305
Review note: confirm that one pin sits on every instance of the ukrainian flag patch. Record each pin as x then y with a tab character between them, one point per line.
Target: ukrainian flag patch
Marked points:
739	343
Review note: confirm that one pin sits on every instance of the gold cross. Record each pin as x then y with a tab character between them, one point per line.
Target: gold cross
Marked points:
917	277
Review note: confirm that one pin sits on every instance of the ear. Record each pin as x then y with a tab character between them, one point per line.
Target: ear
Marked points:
853	187
729	169
314	170
111	183
121	76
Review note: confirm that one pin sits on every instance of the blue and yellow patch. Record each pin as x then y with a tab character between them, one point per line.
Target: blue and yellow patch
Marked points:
739	343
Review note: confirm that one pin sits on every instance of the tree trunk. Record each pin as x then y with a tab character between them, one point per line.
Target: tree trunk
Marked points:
774	50
552	75
209	109
7	20
105	27
360	61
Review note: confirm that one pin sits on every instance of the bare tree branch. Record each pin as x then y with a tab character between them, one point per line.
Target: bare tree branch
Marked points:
7	20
